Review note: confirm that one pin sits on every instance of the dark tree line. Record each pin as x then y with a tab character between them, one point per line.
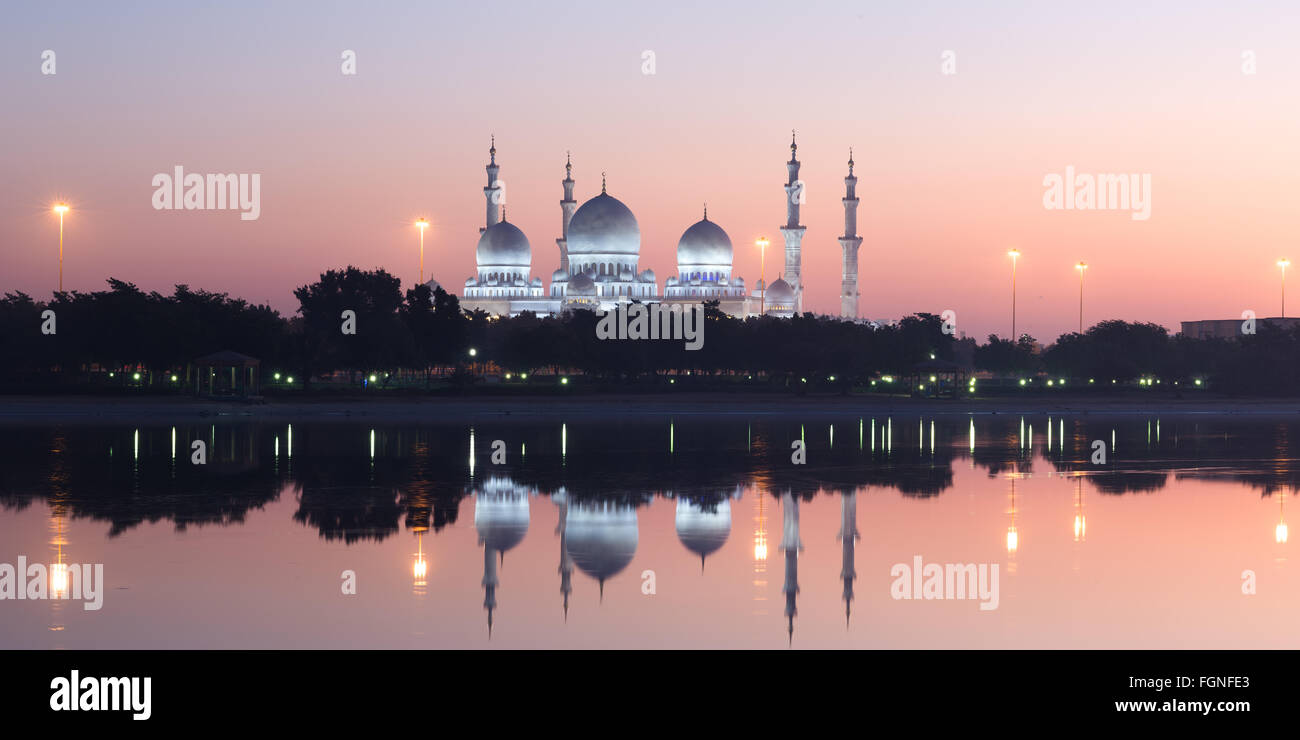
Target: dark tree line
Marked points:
361	323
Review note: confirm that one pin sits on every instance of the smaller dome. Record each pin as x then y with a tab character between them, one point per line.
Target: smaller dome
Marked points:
559	276
536	283
780	292
582	284
704	244
432	285
647	276
471	282
503	245
670	282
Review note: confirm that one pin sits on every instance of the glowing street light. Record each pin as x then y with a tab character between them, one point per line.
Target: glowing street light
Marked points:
422	224
762	274
61	208
1284	263
1082	267
1014	254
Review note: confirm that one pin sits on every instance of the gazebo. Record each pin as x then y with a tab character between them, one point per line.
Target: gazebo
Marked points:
226	374
940	378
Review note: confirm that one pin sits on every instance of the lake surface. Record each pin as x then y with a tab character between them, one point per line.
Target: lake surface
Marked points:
689	531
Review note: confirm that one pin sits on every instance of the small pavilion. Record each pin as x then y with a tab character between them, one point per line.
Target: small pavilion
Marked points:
226	374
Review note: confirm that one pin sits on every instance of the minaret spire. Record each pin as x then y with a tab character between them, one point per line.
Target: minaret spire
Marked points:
493	192
567	207
792	231
849	244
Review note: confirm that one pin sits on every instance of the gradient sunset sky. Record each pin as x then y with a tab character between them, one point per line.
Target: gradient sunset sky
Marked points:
950	166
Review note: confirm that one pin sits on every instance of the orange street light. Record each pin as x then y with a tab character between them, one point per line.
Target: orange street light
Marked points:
1081	267
422	224
61	208
1284	263
1014	254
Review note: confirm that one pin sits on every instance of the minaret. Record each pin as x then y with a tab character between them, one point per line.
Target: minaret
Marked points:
848	537
566	562
792	231
490	582
567	207
490	192
791	544
849	243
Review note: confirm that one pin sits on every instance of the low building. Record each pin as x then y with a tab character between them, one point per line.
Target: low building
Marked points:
1229	328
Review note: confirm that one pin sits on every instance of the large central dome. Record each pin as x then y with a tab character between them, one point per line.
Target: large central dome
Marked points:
503	245
705	244
604	226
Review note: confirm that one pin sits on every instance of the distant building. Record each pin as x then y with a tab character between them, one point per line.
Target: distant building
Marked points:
1229	328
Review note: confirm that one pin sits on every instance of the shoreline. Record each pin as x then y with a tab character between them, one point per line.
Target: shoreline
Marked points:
20	410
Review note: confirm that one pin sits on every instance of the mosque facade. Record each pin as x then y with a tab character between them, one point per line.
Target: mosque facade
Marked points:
599	259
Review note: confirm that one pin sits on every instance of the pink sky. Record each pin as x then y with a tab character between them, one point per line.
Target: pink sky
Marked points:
950	167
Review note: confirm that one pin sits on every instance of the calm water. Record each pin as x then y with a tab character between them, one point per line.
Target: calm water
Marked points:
741	547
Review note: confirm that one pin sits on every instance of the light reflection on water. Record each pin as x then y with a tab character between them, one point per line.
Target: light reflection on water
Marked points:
683	532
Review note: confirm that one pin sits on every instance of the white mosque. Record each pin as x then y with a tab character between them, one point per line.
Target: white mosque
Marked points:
600	247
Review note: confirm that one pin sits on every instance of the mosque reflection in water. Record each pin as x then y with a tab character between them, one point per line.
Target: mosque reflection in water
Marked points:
357	484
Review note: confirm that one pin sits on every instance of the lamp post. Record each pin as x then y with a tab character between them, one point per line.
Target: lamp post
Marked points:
60	208
762	277
1014	255
1081	267
1284	263
422	224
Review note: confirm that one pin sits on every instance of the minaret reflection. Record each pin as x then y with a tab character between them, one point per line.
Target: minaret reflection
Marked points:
501	518
561	498
848	536
701	528
792	545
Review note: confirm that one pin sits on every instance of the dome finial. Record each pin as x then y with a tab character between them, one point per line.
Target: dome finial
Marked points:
503	218
493	150
706	211
793	146
850	160
568	161
602	183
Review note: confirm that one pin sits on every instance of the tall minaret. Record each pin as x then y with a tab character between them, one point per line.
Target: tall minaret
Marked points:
792	231
567	207
849	243
490	192
791	544
848	538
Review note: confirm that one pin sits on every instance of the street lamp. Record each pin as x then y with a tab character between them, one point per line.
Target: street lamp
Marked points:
1014	254
1284	263
1081	267
762	277
60	208
422	224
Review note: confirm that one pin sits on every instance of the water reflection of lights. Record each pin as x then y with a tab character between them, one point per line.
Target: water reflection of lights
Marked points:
1280	533
760	550
1080	521
420	569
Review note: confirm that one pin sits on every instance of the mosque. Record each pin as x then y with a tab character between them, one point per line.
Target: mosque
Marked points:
600	248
